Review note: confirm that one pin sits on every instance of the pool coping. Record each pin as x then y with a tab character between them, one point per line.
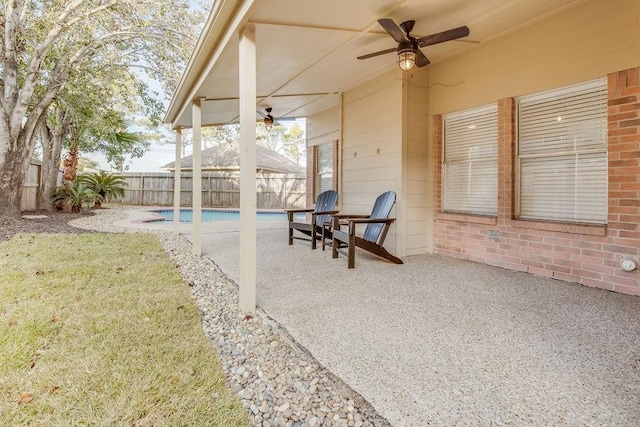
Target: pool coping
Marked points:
155	217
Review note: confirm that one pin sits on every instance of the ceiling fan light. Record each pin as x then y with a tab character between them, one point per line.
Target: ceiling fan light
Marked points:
268	121
407	60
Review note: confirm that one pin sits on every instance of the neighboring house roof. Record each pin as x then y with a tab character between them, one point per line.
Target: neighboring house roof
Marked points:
226	157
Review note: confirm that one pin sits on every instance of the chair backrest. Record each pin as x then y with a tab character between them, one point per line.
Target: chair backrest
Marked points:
326	201
381	209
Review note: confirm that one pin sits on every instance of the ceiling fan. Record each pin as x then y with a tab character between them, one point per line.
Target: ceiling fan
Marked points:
408	49
267	118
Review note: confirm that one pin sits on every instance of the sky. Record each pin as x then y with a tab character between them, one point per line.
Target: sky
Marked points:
157	156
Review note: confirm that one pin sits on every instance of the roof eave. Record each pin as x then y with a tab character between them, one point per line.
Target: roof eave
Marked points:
225	17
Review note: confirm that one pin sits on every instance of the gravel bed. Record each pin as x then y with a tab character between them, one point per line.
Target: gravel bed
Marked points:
279	383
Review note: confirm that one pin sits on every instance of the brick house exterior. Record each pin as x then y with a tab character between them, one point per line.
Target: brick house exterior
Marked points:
586	254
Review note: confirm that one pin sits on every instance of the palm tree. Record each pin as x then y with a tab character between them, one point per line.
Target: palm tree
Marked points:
76	195
106	185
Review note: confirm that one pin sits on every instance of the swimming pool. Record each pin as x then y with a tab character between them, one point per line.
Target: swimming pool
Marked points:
210	215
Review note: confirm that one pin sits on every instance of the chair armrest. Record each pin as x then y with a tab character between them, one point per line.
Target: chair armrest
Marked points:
298	210
325	213
336	220
371	220
291	212
353	222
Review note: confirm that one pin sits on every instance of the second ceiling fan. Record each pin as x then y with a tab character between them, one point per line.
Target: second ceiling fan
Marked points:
408	49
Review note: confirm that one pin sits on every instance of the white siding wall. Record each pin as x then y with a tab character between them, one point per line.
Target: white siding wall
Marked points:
372	147
417	192
323	127
384	147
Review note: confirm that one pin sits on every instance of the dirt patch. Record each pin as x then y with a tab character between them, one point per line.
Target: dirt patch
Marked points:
55	222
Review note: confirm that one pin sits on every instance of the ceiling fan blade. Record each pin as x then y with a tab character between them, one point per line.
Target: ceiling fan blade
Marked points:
393	30
382	52
421	60
444	36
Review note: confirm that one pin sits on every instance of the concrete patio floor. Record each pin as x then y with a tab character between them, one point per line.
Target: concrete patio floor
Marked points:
446	342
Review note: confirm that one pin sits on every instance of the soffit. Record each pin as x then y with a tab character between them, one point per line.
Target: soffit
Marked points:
306	51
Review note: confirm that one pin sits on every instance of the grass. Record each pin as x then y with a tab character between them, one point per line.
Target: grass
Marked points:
99	329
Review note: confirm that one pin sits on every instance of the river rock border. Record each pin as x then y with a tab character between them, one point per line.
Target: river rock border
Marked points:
278	381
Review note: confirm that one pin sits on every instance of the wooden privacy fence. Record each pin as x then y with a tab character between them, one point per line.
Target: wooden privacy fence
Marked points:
31	190
275	191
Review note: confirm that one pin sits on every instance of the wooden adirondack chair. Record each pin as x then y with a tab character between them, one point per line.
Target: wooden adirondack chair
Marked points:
377	226
320	219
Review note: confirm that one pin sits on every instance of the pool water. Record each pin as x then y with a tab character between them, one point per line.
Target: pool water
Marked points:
210	215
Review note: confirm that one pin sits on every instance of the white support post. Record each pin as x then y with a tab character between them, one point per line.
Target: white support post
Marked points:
248	193
197	177
176	182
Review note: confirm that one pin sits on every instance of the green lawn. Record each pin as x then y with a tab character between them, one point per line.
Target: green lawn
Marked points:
99	329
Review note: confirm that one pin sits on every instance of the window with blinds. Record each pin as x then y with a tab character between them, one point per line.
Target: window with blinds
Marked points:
470	163
562	154
324	167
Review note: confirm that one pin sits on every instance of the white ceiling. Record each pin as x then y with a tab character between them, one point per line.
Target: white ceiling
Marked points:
306	50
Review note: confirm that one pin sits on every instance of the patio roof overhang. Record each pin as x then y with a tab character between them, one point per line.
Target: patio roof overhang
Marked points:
297	58
306	51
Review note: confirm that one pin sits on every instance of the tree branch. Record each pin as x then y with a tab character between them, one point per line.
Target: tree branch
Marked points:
33	68
59	26
59	76
13	10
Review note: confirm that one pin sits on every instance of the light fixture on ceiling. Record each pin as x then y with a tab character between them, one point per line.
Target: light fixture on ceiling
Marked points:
407	59
268	120
408	48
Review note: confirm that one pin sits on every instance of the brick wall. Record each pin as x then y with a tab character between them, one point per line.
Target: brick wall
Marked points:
587	254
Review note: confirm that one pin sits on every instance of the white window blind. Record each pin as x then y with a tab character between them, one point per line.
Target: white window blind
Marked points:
324	167
562	154
470	168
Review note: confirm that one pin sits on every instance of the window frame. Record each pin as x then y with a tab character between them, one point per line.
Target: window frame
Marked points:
330	147
554	95
486	113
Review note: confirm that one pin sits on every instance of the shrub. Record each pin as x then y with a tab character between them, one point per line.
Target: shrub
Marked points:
76	195
107	185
